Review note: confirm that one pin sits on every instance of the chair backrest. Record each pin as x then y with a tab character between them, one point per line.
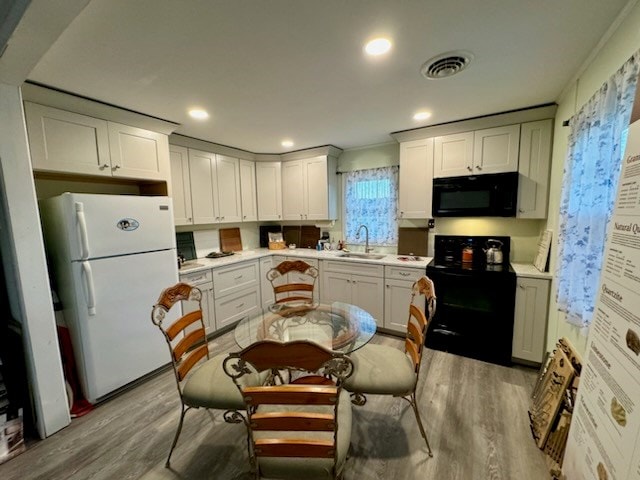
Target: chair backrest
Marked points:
311	431
418	321
294	291
183	354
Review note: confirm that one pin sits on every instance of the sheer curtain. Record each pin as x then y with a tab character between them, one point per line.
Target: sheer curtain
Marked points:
371	198
596	145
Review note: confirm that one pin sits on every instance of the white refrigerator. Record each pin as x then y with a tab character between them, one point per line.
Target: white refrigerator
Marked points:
111	256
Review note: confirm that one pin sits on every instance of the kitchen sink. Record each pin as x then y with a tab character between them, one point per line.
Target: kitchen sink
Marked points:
364	256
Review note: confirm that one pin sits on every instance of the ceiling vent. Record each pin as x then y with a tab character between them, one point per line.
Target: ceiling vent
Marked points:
446	64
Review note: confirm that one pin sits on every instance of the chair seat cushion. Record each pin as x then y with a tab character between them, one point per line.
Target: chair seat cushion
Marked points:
209	386
308	468
381	370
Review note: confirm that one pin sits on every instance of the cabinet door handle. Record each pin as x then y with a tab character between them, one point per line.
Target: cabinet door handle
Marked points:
478	167
103	166
240	305
521	210
115	167
238	277
521	286
244	216
189	219
404	274
469	168
221	218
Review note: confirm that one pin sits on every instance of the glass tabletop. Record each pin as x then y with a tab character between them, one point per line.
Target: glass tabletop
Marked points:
341	327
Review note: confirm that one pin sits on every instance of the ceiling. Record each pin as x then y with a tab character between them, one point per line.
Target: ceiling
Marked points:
270	70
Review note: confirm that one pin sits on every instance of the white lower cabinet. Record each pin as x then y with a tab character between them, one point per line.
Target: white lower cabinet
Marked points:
397	296
266	290
358	284
236	290
530	319
202	280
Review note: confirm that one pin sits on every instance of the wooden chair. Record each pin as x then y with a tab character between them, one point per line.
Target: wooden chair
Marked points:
206	385
296	291
384	370
301	429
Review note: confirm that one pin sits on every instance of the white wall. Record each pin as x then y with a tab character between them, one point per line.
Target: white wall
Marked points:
623	41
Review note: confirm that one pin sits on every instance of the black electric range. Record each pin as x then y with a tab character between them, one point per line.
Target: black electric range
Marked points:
475	300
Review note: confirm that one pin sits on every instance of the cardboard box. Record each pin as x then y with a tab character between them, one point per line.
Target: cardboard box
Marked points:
11	437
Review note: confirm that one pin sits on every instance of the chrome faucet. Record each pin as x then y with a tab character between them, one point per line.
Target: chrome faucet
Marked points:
366	238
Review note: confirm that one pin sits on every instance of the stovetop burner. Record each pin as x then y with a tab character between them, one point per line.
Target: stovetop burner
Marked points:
448	254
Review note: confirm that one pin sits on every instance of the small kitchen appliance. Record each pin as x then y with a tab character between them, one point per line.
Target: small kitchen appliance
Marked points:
494	252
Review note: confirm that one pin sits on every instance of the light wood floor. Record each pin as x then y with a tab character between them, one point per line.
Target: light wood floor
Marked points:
475	415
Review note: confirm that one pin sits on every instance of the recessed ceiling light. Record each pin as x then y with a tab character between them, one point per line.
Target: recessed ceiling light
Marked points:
287	143
422	115
198	114
377	46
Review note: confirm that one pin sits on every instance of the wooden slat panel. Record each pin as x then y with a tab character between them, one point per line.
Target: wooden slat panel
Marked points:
269	354
412	350
418	315
183	322
269	447
187	342
415	333
293	287
191	359
291	395
301	421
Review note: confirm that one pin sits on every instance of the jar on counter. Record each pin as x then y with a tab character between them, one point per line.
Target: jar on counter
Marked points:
467	254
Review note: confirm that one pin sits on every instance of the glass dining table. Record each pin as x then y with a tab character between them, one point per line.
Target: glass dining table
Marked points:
341	327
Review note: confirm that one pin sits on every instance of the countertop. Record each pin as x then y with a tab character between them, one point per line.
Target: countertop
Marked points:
246	255
521	269
528	270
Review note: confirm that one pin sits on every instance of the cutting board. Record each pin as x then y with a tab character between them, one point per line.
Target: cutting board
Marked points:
413	241
230	240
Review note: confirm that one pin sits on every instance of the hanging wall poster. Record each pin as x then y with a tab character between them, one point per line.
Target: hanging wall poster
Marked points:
604	439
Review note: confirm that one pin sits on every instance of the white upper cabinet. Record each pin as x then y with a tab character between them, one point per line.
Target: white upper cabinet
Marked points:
293	179
248	191
269	190
453	155
309	188
416	179
215	187
201	176
495	150
68	142
534	167
492	150
227	189
138	153
181	185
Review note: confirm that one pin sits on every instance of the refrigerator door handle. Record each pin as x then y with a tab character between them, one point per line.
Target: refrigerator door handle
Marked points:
91	291
82	225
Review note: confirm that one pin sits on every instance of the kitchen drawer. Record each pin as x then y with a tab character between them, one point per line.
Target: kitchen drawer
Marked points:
196	278
240	276
341	266
403	273
236	306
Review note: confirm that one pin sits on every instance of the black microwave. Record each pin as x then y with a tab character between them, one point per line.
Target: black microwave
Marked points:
490	195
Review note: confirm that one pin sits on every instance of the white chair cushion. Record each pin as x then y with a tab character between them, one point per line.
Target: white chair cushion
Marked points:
309	468
209	386
381	370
